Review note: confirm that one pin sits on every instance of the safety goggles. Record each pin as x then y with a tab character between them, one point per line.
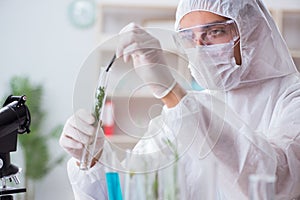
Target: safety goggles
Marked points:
207	34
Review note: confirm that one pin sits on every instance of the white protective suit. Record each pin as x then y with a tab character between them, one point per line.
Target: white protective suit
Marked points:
254	128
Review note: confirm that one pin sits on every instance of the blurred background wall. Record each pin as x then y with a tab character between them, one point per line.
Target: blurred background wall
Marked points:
37	40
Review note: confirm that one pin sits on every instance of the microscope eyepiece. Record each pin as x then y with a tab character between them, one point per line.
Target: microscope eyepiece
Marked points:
14	116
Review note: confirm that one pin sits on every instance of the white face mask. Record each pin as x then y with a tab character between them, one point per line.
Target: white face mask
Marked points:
214	66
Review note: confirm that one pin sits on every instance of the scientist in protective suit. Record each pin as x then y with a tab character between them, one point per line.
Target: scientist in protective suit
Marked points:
248	116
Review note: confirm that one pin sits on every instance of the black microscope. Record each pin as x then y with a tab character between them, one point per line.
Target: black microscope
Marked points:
14	119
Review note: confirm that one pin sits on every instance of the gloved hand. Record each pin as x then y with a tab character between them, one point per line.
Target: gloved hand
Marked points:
148	60
78	131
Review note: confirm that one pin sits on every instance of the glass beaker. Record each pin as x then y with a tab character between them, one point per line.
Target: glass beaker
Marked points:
262	187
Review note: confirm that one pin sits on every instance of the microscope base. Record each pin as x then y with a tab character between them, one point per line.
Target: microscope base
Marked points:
6	197
5	193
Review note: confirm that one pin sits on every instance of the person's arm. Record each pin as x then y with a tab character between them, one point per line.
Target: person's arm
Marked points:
239	150
174	97
87	185
78	130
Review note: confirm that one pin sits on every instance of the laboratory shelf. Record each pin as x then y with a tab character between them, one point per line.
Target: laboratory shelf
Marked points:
287	18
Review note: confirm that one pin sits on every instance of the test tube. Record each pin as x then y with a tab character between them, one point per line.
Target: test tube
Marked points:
113	182
89	149
127	176
262	187
86	158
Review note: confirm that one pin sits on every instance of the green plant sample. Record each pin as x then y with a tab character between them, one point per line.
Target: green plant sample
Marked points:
99	101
